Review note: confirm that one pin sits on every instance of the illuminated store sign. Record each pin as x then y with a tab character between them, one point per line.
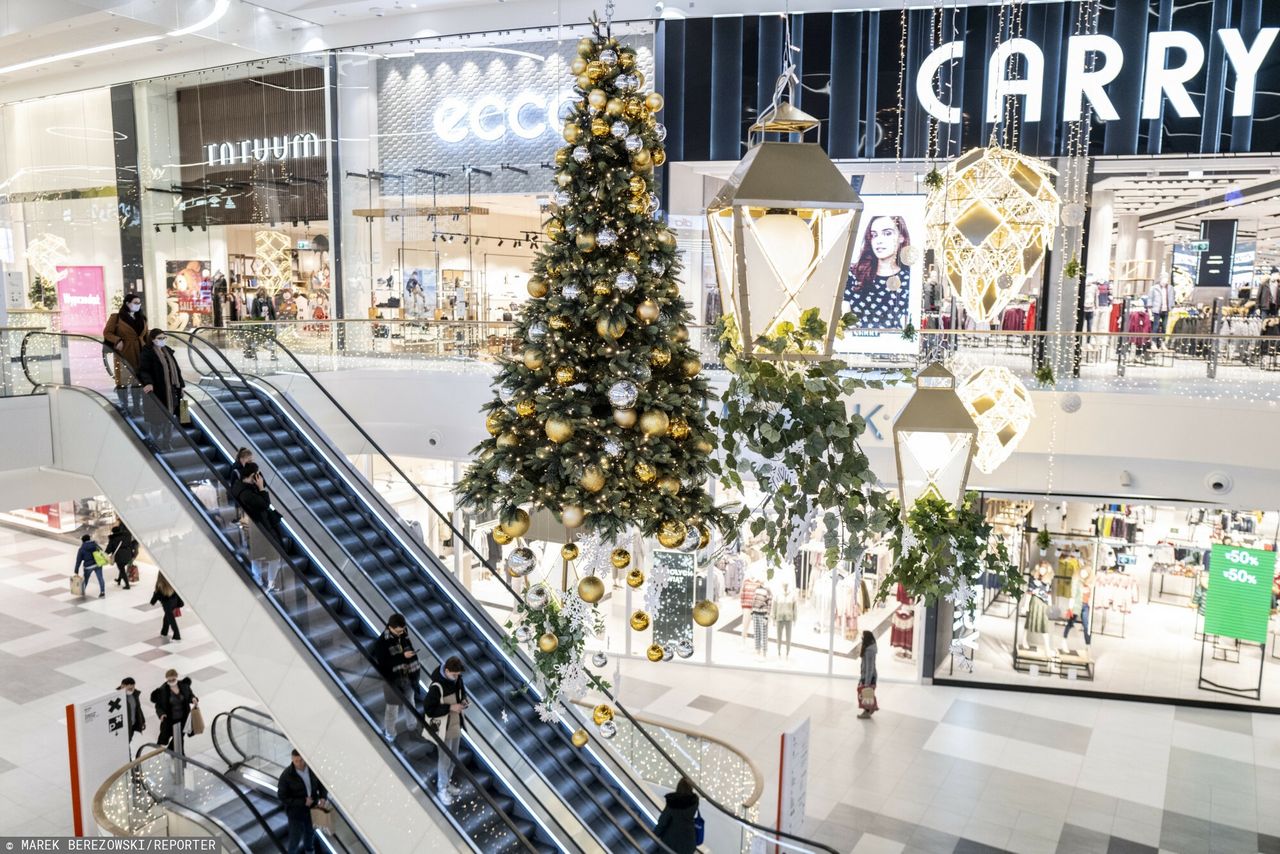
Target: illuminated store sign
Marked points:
1173	59
264	149
528	115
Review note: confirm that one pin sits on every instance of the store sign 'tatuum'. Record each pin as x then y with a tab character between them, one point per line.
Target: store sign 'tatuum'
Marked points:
264	149
1173	58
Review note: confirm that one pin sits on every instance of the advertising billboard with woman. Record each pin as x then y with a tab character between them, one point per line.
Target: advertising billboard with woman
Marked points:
884	283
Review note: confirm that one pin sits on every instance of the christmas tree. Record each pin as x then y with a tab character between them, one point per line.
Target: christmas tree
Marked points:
600	418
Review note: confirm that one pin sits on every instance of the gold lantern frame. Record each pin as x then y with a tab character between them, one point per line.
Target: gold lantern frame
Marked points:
934	422
796	179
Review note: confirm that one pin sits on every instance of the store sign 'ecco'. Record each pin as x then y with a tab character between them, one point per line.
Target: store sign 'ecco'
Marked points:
528	115
1162	78
263	149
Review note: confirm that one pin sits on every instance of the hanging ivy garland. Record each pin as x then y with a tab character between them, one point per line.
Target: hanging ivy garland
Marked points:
560	666
942	551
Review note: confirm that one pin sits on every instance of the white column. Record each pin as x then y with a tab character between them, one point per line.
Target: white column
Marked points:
1101	221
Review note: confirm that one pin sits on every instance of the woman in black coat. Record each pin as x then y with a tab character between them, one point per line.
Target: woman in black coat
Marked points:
174	701
170	601
161	379
677	826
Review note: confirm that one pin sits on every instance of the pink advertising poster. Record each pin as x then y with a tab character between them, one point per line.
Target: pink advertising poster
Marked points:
82	299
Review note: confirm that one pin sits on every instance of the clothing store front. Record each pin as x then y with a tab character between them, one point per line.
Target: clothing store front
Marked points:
235	163
1172	602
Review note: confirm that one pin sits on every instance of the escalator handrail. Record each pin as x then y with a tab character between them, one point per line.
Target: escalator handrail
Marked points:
222	778
501	577
230	553
590	793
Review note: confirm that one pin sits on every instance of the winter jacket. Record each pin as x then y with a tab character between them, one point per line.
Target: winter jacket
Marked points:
263	309
133	704
170	603
160	697
131	333
84	557
868	676
390	657
441	687
158	368
675	824
292	792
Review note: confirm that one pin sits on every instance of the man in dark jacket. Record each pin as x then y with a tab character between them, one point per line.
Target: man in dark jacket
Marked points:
251	493
300	792
85	558
133	706
397	661
443	708
677	825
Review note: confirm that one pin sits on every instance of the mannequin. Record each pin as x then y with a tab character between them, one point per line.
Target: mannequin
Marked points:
1037	622
1081	594
761	605
784	614
714	586
755	577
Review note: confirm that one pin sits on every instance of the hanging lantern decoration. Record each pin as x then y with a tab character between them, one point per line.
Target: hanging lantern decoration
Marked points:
933	440
991	222
1001	407
782	232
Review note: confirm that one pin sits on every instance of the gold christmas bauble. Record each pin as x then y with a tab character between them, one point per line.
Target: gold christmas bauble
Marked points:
637	185
554	229
633	108
516	523
508	440
653	101
559	429
679	429
586	241
659	157
702	446
597	98
641	161
611	327
667	238
659	357
595	69
705	613
637	206
672	533
691	366
586	46
571	132
572	516
645	473
654	422
620	558
493	424
578	66
585	82
599	127
704	536
548	642
602	713
624	417
580	738
648	311
654	652
639	621
626	59
564	375
680	334
602	288
592	479
633	258
564	179
500	536
525	408
635	577
569	551
639	75
532	358
562	156
591	589
613	108
558	321
669	485
537	287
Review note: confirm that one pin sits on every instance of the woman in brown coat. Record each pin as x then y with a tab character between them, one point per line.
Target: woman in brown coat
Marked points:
126	333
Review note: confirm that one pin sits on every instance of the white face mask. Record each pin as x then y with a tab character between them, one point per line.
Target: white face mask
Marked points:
159	342
135	307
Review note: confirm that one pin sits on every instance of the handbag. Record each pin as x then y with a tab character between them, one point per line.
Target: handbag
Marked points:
699	828
196	721
184	413
867	697
322	818
133	573
177	612
77	585
100	558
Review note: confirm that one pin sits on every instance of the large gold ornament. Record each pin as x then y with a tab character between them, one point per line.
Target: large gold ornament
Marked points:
591	589
508	440
669	485
659	157
516	523
635	577
691	366
572	132
599	127
991	223
525	408
672	533
580	738
613	108
705	613
592	479
626	59
558	321
667	239
578	66
537	287
597	98
679	428
704	536
645	473
639	621
654	652
654	422
586	46
601	714
620	558
611	327
569	551
572	515
548	642
500	536
532	358
564	374
493	424
559	429
659	357
642	161
586	241
648	311
624	417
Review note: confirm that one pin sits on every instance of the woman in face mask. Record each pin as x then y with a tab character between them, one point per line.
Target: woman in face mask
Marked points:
126	333
133	706
161	380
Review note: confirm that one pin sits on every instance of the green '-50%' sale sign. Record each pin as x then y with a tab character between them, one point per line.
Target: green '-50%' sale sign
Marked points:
1238	602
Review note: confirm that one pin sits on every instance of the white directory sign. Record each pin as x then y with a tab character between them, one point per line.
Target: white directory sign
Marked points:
793	778
97	747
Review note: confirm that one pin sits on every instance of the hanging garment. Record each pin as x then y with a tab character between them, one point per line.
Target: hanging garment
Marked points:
902	628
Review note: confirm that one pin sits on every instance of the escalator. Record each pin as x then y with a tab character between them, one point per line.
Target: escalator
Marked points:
494	813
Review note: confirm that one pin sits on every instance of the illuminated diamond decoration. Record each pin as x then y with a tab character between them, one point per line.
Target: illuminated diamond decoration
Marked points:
46	254
1001	407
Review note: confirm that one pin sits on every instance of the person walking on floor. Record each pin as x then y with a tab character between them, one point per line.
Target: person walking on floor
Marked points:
126	553
171	602
678	824
161	379
867	679
134	718
173	702
92	558
126	333
300	792
398	663
445	703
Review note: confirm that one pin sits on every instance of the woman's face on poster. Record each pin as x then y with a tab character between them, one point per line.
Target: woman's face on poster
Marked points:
885	238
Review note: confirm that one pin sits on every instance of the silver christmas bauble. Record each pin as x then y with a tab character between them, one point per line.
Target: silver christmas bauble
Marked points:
657	267
537	330
524	633
667	654
626	82
505	475
521	562
660	131
654	202
642	373
581	154
622	394
691	539
634	143
612	447
620	129
606	237
608	729
537	596
608	57
684	648
571	291
599	659
561	197
506	394
626	281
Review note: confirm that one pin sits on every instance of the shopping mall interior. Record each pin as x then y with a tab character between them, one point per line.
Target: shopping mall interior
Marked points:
535	425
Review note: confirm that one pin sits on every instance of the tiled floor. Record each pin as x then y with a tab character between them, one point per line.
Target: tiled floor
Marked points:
960	770
56	649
